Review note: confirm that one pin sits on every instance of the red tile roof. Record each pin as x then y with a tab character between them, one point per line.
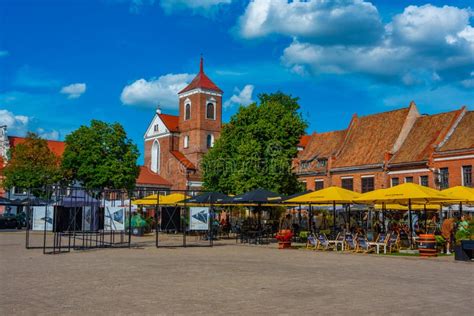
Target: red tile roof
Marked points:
369	137
55	146
150	178
183	160
323	145
201	81
463	135
427	132
304	140
171	122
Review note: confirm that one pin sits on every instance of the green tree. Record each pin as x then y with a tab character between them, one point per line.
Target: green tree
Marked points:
256	148
32	165
101	156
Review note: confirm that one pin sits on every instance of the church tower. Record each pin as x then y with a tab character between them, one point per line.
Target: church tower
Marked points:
200	116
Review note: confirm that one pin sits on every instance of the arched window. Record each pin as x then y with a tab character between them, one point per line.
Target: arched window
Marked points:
210	111
186	141
155	157
210	141
187	111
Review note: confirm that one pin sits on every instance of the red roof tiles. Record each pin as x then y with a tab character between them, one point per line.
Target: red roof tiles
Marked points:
183	160
171	122
463	135
427	132
201	81
150	178
370	137
323	145
304	140
55	146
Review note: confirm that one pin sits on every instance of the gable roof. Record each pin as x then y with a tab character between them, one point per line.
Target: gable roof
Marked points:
171	122
370	137
427	132
201	81
147	177
183	160
323	145
57	147
462	136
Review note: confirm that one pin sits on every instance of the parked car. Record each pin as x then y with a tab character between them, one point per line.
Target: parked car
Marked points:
8	220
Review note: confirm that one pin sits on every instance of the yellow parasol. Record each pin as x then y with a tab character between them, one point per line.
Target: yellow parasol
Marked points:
171	199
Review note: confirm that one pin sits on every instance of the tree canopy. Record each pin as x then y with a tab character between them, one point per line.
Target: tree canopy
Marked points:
32	165
101	156
256	148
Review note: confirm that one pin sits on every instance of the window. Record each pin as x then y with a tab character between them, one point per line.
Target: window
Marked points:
318	185
444	178
322	162
186	141
155	156
210	141
367	184
408	179
19	191
305	165
210	111
395	181
467	176
348	184
156	128
424	181
187	111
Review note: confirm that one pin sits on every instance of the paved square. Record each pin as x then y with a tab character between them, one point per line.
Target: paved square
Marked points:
228	279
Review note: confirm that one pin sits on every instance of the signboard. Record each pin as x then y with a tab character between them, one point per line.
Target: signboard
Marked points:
115	218
41	214
198	218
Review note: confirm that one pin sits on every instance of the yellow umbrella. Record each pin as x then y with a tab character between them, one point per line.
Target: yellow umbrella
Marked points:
400	207
334	195
462	194
171	199
407	193
329	195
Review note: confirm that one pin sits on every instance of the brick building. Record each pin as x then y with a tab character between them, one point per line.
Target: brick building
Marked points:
384	149
175	145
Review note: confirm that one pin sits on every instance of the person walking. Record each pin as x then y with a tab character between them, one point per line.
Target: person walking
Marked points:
447	231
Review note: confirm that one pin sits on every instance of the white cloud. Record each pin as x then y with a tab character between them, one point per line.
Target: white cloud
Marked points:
423	45
240	97
74	90
15	123
195	5
156	91
50	135
319	21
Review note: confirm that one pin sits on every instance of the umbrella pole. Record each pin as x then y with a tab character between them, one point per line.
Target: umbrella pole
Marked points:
460	208
334	219
426	219
410	223
311	228
383	216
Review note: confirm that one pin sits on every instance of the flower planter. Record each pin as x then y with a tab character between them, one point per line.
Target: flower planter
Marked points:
284	238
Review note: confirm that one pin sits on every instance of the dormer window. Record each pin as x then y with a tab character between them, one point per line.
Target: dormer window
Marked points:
322	162
211	111
187	111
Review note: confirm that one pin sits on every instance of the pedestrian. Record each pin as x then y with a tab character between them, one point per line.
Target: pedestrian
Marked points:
447	231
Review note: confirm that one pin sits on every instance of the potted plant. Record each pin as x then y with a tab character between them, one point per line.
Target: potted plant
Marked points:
440	243
463	249
284	238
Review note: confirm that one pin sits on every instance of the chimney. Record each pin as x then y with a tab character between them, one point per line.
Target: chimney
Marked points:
158	109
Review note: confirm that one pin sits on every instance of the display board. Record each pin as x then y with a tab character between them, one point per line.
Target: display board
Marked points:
42	214
198	218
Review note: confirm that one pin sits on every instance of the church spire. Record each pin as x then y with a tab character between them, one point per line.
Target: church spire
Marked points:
201	65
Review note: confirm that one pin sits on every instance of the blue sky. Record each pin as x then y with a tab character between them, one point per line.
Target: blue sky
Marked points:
63	63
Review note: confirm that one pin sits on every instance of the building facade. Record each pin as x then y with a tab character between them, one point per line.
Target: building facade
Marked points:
389	148
175	145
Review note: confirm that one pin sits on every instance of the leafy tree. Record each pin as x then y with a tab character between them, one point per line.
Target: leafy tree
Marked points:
32	165
256	148
101	156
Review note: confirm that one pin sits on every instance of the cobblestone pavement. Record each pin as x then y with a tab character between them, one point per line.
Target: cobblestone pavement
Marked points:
228	279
